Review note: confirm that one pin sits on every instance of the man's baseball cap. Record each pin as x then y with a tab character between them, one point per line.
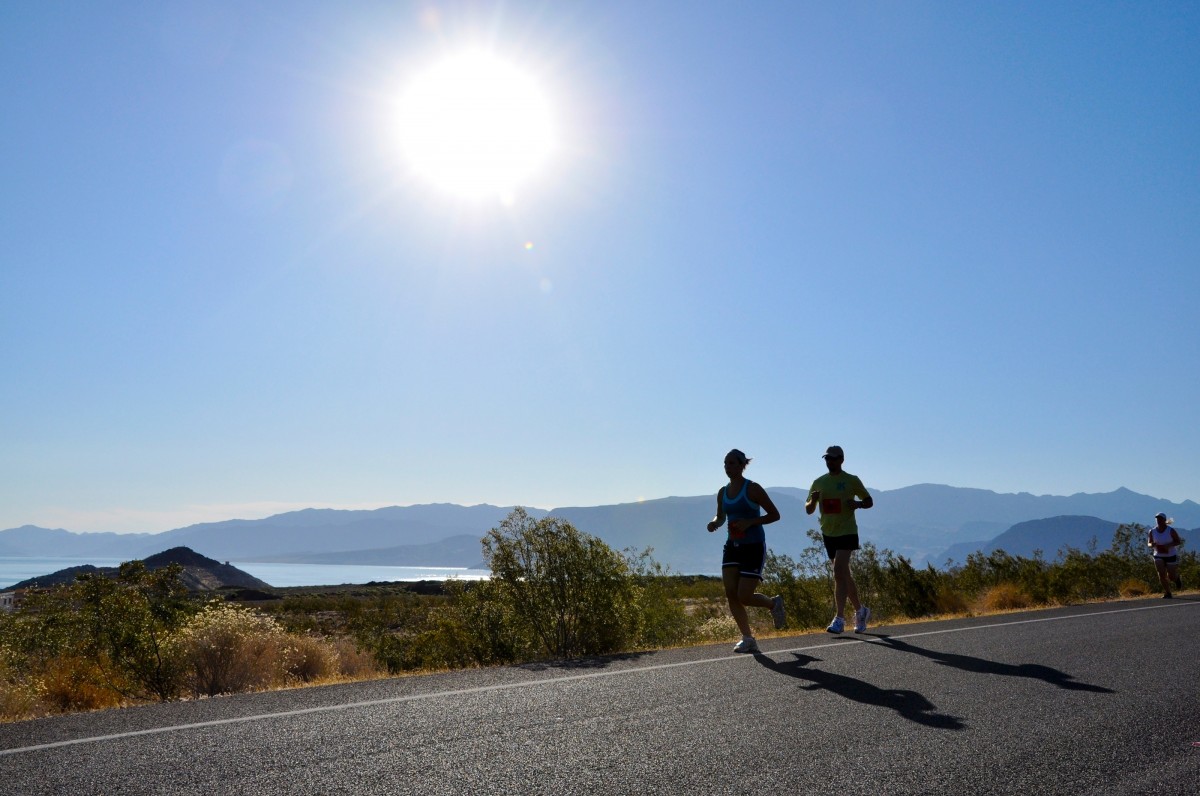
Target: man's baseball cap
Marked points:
1160	514
834	451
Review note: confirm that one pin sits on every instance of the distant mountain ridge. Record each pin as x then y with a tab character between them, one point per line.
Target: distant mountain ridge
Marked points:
294	533
921	522
1048	536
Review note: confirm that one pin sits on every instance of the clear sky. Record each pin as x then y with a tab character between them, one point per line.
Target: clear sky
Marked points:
962	240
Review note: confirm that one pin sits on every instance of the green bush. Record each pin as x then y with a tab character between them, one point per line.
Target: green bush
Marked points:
493	634
661	619
914	592
807	599
405	632
129	620
571	591
120	625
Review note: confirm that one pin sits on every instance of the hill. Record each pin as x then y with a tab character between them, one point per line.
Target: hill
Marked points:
294	533
1049	536
199	573
922	522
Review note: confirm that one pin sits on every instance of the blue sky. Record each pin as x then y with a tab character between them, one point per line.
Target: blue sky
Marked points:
962	240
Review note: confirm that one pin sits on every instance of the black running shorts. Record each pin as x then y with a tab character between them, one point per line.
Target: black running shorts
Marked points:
748	557
846	542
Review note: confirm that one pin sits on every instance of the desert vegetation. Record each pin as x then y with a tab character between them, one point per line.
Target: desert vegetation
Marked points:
556	592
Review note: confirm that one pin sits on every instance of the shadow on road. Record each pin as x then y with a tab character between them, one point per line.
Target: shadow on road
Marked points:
908	704
583	663
969	663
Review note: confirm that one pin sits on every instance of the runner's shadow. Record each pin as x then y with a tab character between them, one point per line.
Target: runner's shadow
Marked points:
908	704
970	663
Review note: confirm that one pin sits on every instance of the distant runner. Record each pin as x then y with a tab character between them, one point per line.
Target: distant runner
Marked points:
743	503
1165	542
835	493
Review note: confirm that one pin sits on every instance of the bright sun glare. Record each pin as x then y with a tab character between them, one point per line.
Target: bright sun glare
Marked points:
476	126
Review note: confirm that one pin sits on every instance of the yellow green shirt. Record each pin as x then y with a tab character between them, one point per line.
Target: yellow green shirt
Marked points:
837	519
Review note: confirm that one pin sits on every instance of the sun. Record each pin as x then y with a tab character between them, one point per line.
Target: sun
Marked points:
476	126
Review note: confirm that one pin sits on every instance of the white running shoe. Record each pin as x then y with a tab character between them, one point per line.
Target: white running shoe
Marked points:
777	612
860	619
838	625
747	644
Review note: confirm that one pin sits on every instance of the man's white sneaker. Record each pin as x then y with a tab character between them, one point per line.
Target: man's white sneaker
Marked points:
860	619
746	645
777	612
838	625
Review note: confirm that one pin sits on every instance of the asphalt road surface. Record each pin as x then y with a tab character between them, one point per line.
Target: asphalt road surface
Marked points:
1096	699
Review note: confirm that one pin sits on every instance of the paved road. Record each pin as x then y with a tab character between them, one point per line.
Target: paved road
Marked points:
1099	699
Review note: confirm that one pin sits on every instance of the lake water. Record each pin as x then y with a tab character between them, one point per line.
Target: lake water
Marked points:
16	569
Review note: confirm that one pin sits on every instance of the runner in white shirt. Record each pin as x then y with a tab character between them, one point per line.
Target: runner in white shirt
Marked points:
1165	543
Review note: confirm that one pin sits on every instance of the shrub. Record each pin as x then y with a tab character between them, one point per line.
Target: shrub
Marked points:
72	684
717	628
438	642
571	590
493	632
949	601
128	621
18	702
19	698
808	599
312	659
914	592
226	649
661	620
353	662
121	625
406	632
867	569
1005	597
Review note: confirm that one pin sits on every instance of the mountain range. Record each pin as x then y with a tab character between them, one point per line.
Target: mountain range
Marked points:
928	523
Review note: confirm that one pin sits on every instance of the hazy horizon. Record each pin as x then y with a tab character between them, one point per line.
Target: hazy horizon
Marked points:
301	507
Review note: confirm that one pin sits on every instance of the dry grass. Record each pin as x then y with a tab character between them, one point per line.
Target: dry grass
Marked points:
355	663
72	685
311	659
1005	597
19	701
1133	588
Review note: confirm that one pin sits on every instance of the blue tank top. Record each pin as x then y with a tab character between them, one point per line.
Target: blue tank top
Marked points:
743	508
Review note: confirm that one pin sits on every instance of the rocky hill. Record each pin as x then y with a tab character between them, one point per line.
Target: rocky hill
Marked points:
200	573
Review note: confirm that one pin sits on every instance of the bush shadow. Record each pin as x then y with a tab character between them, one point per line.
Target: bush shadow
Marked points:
909	704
